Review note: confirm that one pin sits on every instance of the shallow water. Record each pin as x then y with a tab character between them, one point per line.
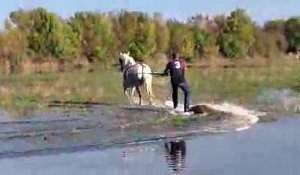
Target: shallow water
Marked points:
88	139
266	148
115	139
70	127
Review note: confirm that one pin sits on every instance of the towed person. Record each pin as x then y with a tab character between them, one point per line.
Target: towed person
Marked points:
177	67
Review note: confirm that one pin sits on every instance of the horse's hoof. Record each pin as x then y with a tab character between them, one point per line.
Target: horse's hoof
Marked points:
151	103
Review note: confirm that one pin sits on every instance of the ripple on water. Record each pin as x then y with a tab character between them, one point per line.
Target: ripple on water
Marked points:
100	126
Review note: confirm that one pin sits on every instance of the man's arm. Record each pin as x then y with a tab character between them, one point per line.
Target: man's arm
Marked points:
184	65
166	71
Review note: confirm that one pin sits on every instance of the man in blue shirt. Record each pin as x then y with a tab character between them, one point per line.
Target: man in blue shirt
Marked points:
177	67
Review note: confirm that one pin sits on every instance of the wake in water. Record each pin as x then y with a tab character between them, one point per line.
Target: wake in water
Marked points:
66	129
244	116
241	118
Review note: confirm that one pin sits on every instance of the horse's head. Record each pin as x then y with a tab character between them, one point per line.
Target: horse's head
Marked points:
125	59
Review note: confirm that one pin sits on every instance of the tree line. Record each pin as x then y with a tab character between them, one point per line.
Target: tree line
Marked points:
99	37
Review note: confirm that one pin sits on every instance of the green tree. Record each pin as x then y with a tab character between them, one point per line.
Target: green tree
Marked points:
237	33
47	34
292	33
162	34
137	33
43	38
21	19
95	34
205	43
145	35
71	44
12	48
181	39
126	27
231	46
100	36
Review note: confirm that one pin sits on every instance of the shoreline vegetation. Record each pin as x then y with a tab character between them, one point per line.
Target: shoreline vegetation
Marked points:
231	57
48	66
39	40
265	86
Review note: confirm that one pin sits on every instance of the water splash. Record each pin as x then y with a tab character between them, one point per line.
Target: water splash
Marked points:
283	99
241	119
246	117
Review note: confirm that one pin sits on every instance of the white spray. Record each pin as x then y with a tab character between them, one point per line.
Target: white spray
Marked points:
240	114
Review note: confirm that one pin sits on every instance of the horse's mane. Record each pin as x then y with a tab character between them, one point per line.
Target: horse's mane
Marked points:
128	57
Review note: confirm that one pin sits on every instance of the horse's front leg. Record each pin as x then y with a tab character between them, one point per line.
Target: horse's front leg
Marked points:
125	88
140	95
126	93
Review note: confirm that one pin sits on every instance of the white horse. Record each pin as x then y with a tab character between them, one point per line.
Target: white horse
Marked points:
134	76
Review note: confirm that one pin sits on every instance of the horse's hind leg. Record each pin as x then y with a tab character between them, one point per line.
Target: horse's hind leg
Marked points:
148	84
140	95
132	94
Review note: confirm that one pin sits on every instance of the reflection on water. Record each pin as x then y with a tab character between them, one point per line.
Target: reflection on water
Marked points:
267	148
176	155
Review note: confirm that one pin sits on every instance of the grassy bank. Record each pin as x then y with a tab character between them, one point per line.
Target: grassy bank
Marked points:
21	94
243	84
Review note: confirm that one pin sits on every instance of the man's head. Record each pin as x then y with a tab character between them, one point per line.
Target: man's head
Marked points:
175	55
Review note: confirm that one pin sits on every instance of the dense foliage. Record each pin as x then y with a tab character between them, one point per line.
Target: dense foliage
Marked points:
98	37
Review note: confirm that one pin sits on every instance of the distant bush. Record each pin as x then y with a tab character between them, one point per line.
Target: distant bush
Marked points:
99	37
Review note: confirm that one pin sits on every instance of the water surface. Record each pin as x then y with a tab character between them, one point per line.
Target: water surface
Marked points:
267	148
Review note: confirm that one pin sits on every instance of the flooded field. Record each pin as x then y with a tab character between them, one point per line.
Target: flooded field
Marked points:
65	67
51	124
266	148
108	138
66	127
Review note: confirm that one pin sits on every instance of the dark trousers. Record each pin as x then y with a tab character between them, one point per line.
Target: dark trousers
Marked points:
184	87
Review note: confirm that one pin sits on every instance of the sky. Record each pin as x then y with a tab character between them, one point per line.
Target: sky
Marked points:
260	10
